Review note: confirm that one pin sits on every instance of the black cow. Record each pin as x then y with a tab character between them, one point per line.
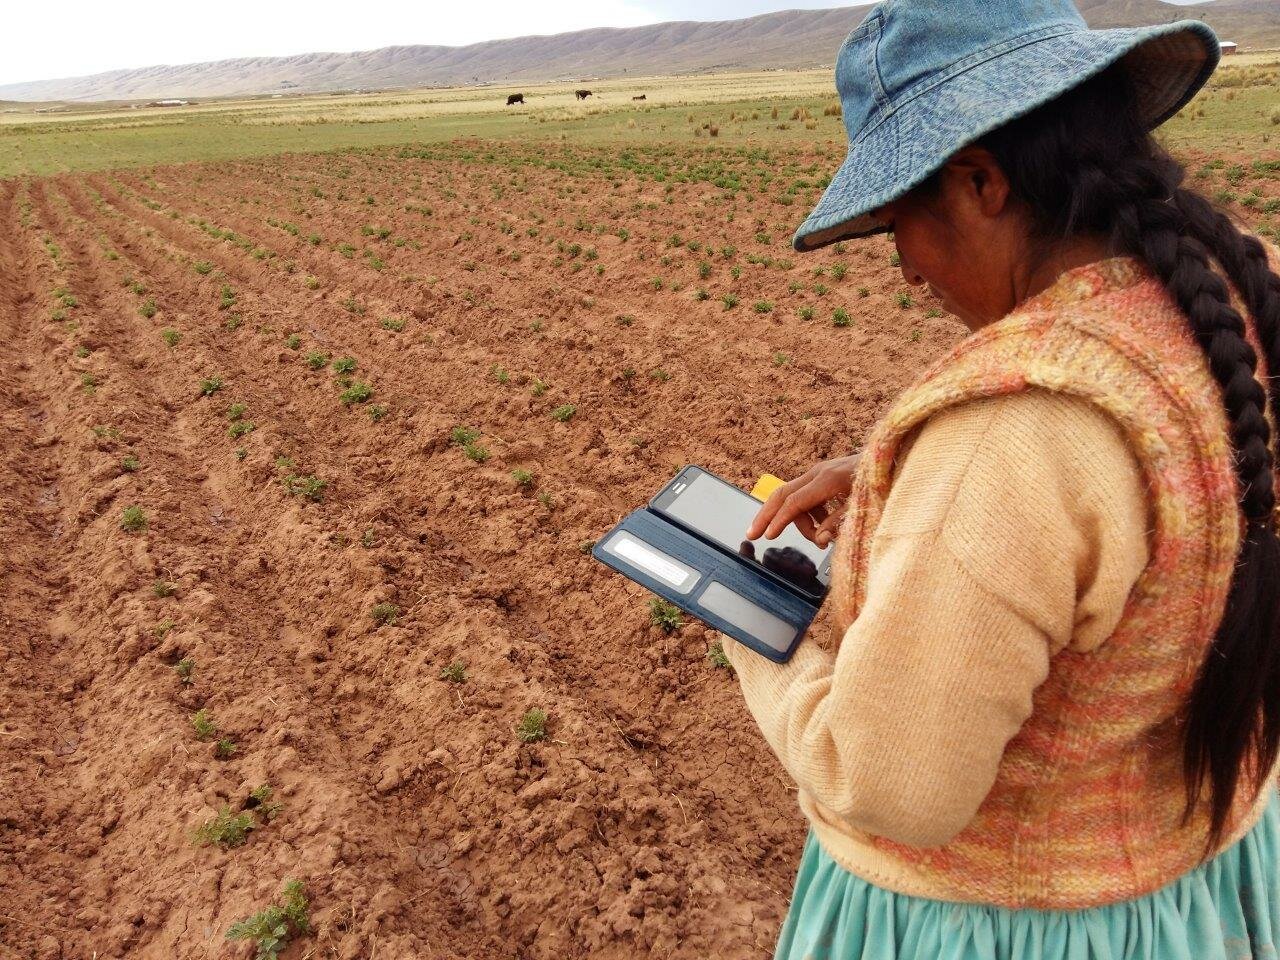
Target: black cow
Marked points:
515	98
582	94
641	97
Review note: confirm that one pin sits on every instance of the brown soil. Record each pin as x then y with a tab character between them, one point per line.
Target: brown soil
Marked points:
653	820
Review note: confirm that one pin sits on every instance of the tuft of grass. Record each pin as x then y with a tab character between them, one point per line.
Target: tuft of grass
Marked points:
129	464
532	726
564	413
239	428
162	589
455	672
317	360
293	341
392	323
272	929
171	336
203	724
133	520
185	669
260	800
715	653
664	615
384	614
224	749
840	317
148	308
344	365
475	452
210	385
203	267
762	306
227	829
523	478
903	299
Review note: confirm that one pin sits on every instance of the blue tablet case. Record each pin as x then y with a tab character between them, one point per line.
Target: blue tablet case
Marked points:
709	583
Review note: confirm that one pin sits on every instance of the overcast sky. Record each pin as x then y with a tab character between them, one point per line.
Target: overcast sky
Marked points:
41	41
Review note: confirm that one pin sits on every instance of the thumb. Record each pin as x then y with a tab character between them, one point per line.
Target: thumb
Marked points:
829	529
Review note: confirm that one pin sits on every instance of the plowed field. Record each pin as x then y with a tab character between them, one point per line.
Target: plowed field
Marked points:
313	545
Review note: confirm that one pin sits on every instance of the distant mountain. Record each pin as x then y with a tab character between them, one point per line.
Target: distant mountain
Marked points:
788	39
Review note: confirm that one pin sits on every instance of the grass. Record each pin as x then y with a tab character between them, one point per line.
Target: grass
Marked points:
564	413
532	726
463	436
715	654
270	930
185	669
345	365
210	385
523	478
310	488
171	336
358	392
129	464
317	360
664	615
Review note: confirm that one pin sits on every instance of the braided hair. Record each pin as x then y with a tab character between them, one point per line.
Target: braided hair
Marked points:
1085	165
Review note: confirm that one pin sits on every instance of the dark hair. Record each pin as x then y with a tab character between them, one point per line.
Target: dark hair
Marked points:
1085	165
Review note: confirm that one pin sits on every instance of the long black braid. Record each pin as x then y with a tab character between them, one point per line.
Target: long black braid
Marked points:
1084	165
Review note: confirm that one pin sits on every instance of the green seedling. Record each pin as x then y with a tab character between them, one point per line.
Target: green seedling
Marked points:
539	388
273	928
864	292
129	464
163	589
171	336
463	435
237	411
729	300
455	672
377	412
210	385
344	365
762	306
227	298
532	726
310	487
840	317
293	341
317	360
185	669
163	627
475	452
715	653
148	309
133	520
805	313
356	393
499	374
523	478
227	829
260	800
240	428
384	614
392	323
664	615
82	352
904	299
203	267
203	724
564	413
224	749
89	382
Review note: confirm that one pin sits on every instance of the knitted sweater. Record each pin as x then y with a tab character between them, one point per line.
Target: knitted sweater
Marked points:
1076	794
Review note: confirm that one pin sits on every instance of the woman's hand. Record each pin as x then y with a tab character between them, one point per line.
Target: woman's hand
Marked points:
804	502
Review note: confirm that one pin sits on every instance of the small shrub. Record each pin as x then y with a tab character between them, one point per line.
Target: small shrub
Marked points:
523	478
344	365
210	385
133	519
840	317
171	336
463	435
240	428
224	749
203	267
903	299
805	313
564	413
185	669
729	300
129	464
664	615
762	306
148	309
317	360
293	341
715	653
475	452
532	726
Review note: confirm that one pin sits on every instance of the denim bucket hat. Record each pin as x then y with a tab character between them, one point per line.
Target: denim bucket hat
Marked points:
920	79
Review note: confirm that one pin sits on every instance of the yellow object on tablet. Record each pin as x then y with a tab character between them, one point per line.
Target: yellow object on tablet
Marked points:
765	486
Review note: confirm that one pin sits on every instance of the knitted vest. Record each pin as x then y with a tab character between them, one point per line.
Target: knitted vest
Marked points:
1088	801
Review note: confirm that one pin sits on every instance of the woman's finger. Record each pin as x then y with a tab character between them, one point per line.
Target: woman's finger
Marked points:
829	528
774	502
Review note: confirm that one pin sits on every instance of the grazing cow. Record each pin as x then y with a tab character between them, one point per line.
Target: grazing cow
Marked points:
515	98
641	97
582	94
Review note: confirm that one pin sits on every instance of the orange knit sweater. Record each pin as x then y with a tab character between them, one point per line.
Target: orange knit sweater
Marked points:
1083	804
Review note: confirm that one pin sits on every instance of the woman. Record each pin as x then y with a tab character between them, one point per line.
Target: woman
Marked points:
1049	728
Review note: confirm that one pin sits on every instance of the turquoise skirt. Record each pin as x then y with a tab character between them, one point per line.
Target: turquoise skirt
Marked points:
1226	909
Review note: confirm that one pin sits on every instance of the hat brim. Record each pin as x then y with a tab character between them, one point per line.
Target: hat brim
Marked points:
1168	64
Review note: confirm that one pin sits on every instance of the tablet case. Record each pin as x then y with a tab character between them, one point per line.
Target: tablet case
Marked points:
708	583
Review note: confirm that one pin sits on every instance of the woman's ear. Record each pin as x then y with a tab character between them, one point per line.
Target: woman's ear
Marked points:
977	182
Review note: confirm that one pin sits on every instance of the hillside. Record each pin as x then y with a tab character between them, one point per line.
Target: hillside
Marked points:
787	39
